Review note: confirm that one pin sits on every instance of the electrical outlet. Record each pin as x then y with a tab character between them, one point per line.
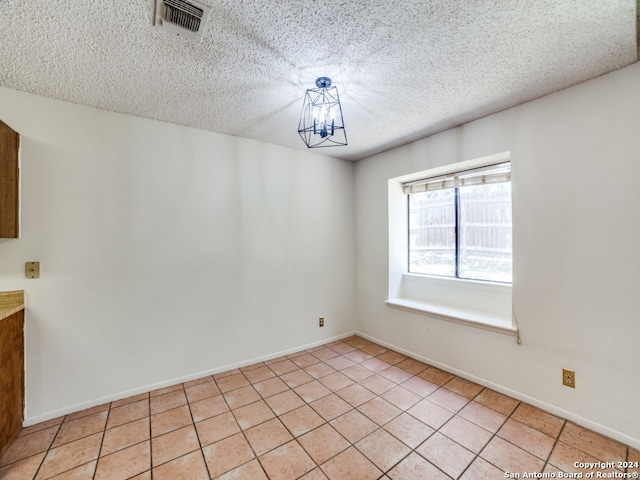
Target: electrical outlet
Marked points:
321	322
569	378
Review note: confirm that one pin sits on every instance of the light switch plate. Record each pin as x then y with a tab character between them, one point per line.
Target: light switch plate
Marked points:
32	269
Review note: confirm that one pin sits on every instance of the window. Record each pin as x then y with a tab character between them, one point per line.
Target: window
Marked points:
460	224
450	243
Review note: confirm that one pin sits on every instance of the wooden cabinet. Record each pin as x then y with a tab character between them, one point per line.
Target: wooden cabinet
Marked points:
11	374
9	174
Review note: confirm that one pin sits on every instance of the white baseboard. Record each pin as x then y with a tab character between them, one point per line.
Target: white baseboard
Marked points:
28	421
585	422
547	407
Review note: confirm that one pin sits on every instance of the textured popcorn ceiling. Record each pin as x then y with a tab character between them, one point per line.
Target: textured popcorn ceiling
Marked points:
404	69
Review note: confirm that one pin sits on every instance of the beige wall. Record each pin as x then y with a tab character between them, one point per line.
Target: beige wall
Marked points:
576	162
167	252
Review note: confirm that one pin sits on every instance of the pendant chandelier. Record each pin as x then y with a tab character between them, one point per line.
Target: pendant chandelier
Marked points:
321	123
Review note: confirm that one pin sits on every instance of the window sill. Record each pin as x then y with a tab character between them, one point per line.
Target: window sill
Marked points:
466	317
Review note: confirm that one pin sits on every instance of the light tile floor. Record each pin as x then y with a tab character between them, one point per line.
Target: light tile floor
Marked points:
349	410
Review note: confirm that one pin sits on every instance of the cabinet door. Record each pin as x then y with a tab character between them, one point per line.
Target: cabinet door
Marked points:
9	144
11	377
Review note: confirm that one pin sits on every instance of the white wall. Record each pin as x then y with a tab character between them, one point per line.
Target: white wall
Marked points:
167	251
576	202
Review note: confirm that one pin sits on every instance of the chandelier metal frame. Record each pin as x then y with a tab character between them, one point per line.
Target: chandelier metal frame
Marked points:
321	123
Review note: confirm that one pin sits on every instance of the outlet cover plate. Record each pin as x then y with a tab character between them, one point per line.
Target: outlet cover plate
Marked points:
569	378
32	269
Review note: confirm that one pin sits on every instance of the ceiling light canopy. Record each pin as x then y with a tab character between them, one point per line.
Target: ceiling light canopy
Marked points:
321	123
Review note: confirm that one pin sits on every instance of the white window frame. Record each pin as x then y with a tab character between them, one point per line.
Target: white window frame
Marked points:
481	304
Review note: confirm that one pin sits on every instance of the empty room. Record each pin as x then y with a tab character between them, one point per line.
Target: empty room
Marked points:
319	240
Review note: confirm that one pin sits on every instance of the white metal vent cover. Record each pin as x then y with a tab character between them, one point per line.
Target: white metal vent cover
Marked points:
185	18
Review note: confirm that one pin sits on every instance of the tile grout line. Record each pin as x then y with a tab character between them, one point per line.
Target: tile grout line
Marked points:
151	465
193	423
104	432
476	455
411	449
494	435
305	403
150	436
555	443
352	407
414	450
325	422
376	395
35	475
256	457
381	427
440	387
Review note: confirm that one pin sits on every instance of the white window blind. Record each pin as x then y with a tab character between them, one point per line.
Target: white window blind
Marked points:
497	173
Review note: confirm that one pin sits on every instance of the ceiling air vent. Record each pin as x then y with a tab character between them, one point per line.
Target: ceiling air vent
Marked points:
183	18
